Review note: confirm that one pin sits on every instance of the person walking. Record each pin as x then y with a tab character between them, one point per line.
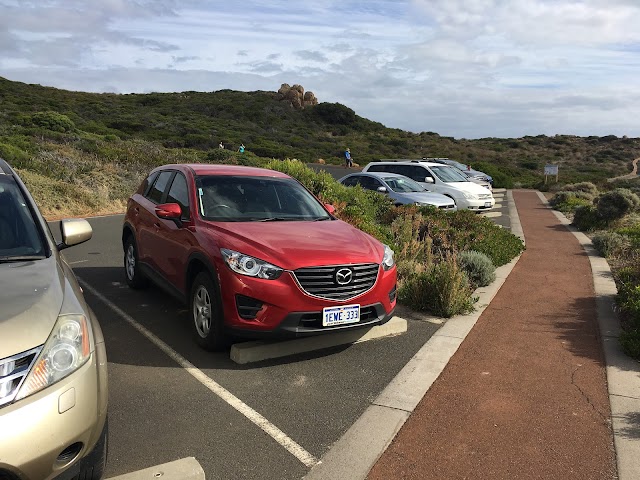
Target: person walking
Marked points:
221	146
348	162
241	148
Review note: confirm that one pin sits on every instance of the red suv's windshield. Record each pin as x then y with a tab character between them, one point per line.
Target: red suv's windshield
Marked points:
253	199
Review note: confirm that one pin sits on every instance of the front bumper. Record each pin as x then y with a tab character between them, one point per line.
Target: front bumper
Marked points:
33	432
283	309
476	205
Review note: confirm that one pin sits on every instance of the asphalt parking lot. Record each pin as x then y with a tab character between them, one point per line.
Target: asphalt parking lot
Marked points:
166	404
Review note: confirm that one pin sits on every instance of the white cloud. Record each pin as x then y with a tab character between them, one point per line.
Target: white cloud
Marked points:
463	68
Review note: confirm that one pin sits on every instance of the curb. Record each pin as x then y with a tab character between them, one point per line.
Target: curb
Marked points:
623	379
357	451
183	469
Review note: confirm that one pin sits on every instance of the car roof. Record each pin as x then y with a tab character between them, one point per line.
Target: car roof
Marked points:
376	174
217	169
406	161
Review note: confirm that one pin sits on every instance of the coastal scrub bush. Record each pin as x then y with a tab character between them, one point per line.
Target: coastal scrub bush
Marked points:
443	289
586	218
53	121
608	243
583	187
568	201
616	204
478	267
628	299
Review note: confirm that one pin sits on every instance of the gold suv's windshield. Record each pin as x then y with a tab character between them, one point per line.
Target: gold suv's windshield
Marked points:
19	234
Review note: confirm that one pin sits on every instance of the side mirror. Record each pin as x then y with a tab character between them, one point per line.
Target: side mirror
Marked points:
74	231
169	211
382	189
428	180
330	208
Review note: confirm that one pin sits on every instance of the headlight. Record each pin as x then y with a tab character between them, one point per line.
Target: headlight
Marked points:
469	196
66	350
387	259
252	267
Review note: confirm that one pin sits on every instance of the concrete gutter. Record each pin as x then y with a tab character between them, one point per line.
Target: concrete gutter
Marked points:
353	455
623	373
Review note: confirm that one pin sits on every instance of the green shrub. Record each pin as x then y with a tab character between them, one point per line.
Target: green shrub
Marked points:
583	187
443	289
630	342
608	243
567	201
632	233
586	218
53	121
478	267
616	204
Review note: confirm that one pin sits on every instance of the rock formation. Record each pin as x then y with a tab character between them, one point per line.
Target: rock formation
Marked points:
296	96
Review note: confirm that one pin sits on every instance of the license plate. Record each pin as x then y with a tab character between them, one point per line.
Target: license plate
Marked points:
487	204
340	315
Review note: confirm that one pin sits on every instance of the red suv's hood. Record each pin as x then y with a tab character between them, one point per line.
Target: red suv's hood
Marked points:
293	245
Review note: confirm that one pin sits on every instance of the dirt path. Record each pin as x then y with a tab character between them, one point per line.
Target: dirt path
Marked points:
633	174
525	396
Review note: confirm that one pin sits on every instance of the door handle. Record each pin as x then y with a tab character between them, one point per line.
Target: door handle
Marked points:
157	225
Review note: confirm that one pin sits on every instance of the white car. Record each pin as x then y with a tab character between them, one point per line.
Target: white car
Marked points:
442	179
402	190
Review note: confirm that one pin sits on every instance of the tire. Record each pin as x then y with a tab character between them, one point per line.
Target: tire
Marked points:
205	312
92	466
135	278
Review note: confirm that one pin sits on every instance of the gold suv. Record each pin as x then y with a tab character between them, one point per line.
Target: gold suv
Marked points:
53	363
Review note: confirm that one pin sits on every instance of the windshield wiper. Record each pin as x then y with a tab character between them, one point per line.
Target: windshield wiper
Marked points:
20	258
278	219
321	219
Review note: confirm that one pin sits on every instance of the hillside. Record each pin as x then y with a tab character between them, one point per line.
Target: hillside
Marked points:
95	140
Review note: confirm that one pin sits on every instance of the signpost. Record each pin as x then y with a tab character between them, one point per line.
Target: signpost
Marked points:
550	170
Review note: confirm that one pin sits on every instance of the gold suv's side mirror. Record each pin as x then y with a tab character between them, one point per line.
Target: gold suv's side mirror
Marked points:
74	231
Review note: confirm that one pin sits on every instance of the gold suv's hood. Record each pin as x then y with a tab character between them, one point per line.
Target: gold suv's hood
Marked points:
31	295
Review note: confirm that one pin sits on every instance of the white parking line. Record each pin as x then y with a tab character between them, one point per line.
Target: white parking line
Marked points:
274	432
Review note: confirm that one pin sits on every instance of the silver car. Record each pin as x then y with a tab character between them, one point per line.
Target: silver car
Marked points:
53	364
402	190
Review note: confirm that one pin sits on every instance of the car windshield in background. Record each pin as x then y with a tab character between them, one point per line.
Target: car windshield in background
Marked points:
226	198
402	185
19	235
448	174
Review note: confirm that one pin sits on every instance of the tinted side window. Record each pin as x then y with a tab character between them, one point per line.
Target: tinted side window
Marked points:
179	193
351	181
155	193
146	185
369	183
378	168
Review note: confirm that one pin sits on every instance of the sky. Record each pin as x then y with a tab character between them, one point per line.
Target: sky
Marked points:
460	68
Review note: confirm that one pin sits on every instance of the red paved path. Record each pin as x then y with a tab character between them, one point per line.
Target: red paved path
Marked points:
525	396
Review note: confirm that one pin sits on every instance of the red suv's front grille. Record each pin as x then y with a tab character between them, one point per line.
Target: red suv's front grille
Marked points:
340	282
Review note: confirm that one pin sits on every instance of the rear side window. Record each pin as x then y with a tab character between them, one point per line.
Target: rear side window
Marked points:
369	183
379	168
157	190
146	185
350	182
179	193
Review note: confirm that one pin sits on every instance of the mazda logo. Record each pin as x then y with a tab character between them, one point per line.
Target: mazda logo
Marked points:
344	276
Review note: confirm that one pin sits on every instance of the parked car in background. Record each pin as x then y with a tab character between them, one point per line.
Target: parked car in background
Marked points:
402	190
439	178
253	253
476	176
53	364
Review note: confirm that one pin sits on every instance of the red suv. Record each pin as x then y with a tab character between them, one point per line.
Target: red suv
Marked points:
254	254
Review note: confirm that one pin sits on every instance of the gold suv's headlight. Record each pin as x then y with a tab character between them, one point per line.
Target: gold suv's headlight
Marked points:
66	350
